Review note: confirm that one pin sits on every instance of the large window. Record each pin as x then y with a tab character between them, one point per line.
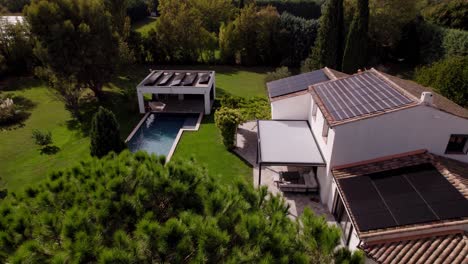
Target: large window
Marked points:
339	212
457	144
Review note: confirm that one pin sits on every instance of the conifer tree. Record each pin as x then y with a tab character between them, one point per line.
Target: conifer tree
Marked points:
355	53
328	47
105	133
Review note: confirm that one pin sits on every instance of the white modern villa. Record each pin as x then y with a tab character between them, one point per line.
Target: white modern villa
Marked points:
387	157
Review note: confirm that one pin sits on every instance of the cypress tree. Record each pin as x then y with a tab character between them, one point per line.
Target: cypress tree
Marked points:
355	54
328	47
105	133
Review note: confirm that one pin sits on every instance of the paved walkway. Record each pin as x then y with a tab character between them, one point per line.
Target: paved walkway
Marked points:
246	147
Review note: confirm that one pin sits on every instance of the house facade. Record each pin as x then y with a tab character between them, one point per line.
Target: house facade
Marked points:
365	117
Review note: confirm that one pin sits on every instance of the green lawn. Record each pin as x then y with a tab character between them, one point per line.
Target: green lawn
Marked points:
21	162
144	25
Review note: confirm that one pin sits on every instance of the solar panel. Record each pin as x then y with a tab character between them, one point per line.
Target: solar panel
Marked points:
178	79
204	79
368	208
189	79
153	78
358	95
295	83
409	195
165	79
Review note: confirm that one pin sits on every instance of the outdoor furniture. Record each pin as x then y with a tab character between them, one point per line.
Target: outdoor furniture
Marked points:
156	106
294	181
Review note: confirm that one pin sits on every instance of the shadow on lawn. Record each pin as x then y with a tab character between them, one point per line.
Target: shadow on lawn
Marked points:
23	106
49	150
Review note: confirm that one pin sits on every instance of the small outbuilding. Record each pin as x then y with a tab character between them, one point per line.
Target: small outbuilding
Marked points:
193	89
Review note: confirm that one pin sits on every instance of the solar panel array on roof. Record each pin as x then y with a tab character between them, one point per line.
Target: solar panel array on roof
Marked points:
359	95
410	195
295	83
153	78
165	79
204	79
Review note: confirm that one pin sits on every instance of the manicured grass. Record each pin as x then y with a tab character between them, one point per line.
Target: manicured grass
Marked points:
144	25
206	146
22	164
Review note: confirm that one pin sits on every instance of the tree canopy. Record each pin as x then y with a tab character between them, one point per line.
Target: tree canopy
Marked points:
131	208
355	52
105	133
75	38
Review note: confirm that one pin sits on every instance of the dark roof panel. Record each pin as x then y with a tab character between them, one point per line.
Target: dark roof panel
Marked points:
295	83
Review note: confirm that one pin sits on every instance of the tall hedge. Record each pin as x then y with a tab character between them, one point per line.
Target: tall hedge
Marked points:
448	13
436	42
105	133
297	36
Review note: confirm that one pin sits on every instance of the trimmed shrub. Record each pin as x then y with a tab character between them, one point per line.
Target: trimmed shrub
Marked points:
250	109
449	77
105	133
227	120
279	73
42	138
7	110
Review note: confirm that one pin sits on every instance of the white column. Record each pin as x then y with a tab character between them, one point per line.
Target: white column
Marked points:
141	102
207	103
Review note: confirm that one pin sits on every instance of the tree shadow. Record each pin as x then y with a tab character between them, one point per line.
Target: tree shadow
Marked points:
16	122
49	150
19	83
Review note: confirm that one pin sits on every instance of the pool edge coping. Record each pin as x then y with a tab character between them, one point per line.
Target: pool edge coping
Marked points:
179	134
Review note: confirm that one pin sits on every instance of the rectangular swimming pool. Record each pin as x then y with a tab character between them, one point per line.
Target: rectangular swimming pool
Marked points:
157	133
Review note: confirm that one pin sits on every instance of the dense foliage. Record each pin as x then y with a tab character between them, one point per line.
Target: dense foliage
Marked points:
448	13
16	48
279	73
307	9
131	208
76	39
297	36
250	108
227	120
355	52
14	6
328	49
449	77
436	42
105	133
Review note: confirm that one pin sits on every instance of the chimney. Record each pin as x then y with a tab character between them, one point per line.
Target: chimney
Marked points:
426	98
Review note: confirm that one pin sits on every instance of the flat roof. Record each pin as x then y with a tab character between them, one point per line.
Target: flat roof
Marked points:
178	78
296	83
287	142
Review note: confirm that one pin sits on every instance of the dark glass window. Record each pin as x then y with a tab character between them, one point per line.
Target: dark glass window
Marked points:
457	144
342	218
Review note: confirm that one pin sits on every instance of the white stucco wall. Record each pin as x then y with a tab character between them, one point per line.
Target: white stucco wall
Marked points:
420	127
293	108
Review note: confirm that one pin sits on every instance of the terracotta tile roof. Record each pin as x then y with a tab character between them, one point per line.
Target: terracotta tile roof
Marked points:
455	172
440	102
451	247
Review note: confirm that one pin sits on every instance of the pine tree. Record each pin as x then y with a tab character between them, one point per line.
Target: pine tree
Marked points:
105	133
355	54
328	47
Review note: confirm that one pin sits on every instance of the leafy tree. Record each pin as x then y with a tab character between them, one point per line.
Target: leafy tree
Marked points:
105	133
296	35
328	49
131	208
76	38
14	6
448	13
227	120
215	12
355	53
16	48
449	77
179	35
42	138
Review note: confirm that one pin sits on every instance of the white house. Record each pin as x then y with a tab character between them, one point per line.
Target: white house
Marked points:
366	121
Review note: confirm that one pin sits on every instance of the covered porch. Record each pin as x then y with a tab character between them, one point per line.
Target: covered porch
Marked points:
177	91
